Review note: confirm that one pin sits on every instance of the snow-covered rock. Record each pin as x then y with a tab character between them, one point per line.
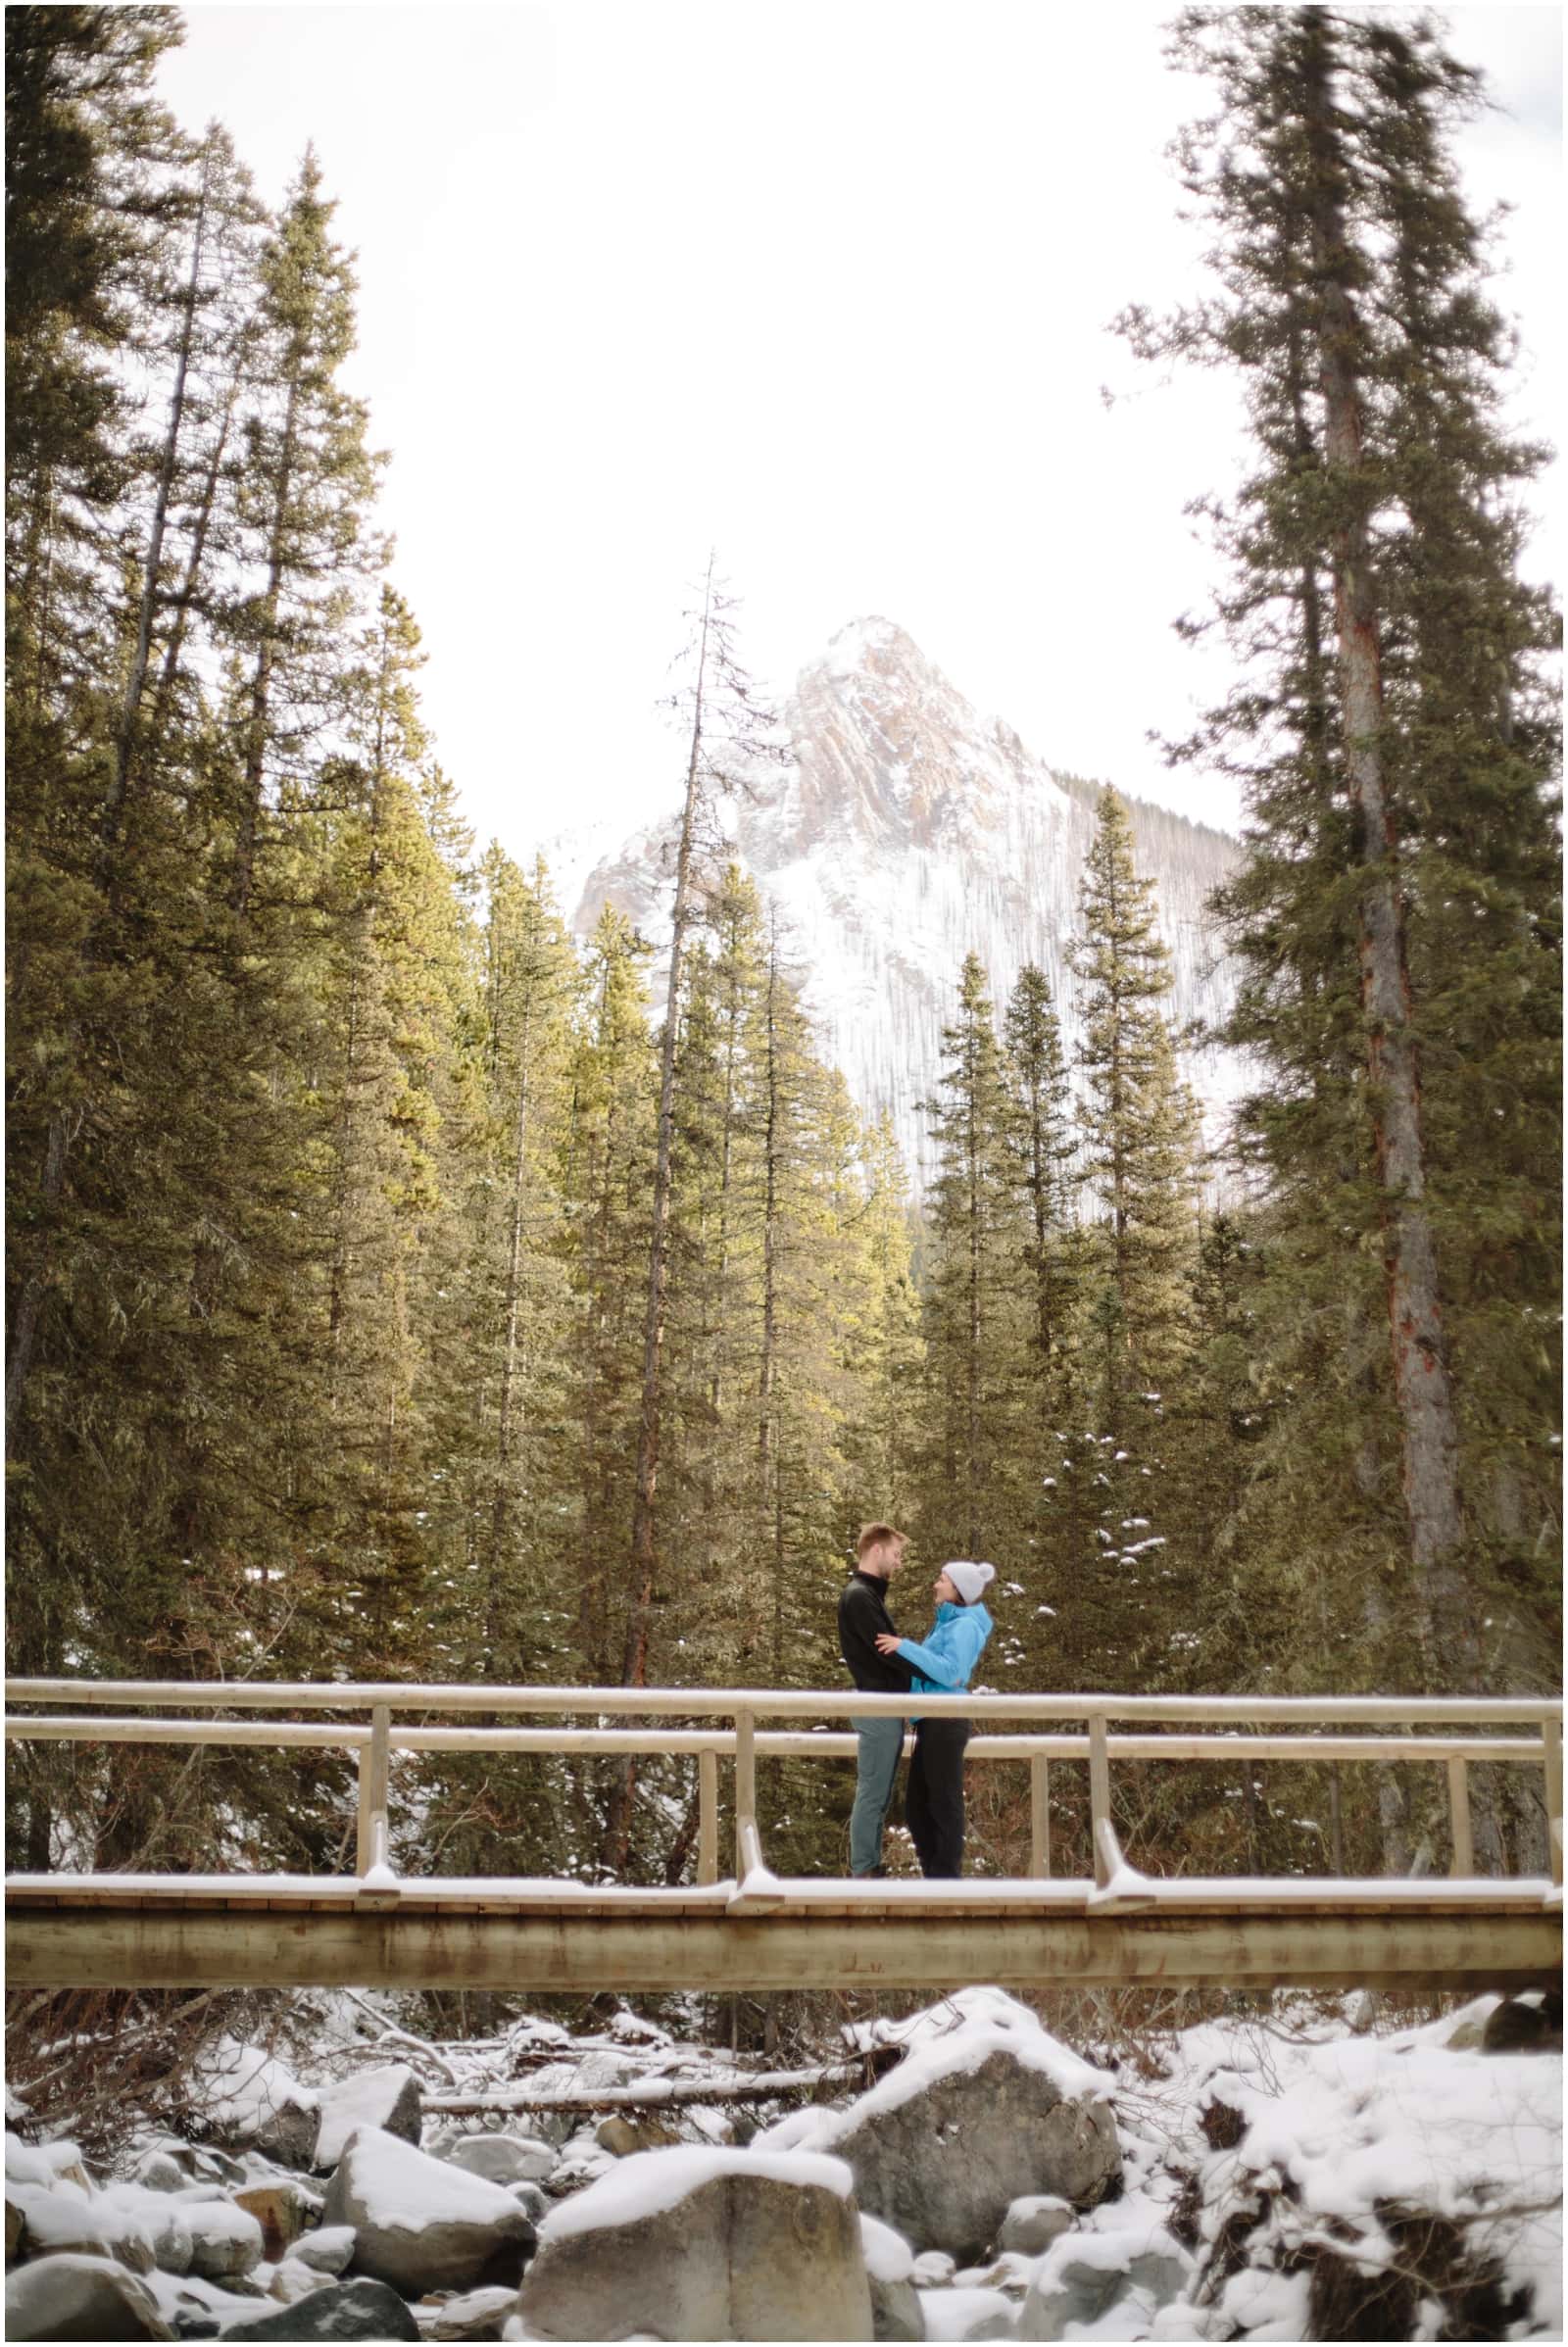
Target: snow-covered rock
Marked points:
293	2280
341	2310
932	2267
420	2224
225	2242
46	2166
245	2095
73	2296
1033	2223
325	2250
974	2118
504	2159
966	2313
477	2315
890	2267
1135	2268
388	2097
66	2219
703	2244
282	2210
1368	2179
157	2218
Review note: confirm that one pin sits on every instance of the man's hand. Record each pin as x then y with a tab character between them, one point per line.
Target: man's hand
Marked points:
886	1644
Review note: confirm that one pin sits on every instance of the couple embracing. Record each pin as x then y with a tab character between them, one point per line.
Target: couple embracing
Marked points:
882	1663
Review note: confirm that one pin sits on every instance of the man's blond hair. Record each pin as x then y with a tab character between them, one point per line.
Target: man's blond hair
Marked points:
877	1535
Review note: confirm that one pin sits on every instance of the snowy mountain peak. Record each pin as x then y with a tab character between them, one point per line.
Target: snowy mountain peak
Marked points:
892	757
909	831
870	644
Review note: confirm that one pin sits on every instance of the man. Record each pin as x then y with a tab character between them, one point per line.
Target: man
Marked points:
863	1618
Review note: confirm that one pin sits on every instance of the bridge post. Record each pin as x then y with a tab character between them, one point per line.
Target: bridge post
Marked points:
1464	1848
1038	1815
708	1817
1099	1794
374	1759
1551	1736
745	1785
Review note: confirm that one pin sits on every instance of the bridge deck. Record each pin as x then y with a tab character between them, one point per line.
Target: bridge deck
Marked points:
764	1932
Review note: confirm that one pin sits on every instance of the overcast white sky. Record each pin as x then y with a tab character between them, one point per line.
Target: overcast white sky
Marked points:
823	283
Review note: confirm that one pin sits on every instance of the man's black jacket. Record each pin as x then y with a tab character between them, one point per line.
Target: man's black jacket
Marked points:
862	1613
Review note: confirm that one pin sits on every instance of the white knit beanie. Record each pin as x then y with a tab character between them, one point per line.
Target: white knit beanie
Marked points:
970	1580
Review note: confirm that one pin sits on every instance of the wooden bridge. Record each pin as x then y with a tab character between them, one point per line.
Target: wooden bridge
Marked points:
761	1931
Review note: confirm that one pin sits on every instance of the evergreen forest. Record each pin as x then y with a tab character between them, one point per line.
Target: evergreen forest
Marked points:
400	1287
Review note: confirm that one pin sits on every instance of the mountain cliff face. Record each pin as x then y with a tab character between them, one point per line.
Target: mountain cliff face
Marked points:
909	831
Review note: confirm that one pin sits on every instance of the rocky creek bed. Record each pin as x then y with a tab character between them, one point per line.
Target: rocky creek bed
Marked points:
1305	2174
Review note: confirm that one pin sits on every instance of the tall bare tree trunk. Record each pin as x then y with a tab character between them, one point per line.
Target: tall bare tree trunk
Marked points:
634	1655
135	683
1429	1444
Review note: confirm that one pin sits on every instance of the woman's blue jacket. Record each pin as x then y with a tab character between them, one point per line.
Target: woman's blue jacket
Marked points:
942	1666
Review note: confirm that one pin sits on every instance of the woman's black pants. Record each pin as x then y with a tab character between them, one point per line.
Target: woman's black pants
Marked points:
933	1806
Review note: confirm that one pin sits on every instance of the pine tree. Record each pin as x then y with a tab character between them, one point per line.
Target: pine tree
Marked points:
1140	1129
310	479
607	1179
1044	1147
1396	918
975	1321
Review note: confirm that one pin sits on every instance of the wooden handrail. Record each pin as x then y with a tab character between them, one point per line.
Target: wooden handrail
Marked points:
821	1743
776	1703
374	1744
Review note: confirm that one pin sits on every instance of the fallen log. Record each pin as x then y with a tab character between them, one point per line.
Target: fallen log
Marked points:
662	2094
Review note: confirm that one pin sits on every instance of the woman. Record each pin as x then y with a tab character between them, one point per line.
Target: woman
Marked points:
933	1803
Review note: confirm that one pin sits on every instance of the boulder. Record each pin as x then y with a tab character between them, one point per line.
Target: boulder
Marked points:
703	2244
65	2223
226	2241
326	2250
15	2226
153	2217
504	2159
932	2267
341	2310
889	2267
389	2097
421	2224
1032	2224
944	2145
292	2280
24	2165
281	2212
1531	2024
530	2199
66	2166
478	2315
246	2097
621	2137
971	2314
157	2171
75	2297
1136	2269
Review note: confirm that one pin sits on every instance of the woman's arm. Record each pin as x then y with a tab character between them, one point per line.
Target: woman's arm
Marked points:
933	1662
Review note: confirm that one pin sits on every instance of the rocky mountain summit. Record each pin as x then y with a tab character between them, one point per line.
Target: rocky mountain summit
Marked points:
909	830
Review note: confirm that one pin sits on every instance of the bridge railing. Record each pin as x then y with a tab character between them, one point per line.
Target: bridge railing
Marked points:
1453	1734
